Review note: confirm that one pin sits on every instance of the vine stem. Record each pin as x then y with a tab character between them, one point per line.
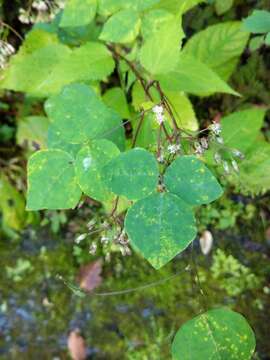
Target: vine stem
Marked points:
2	23
117	55
124	291
138	130
166	105
145	86
114	207
198	281
159	142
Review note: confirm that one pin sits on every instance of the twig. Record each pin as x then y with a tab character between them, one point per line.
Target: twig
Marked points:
133	68
167	106
142	287
137	130
114	207
11	29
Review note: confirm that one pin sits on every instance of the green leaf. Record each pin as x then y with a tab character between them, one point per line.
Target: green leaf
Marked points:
240	129
256	42
79	115
141	5
178	6
75	36
148	134
258	22
254	170
133	174
89	62
158	55
52	182
219	47
89	162
139	97
154	20
267	39
159	227
78	13
113	130
54	141
53	66
192	181
218	334
12	205
123	27
222	6
183	110
32	130
38	64
37	39
109	7
192	76
115	98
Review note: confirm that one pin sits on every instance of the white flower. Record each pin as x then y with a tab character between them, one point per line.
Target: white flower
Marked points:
60	4
226	167
220	140
216	128
198	148
174	148
104	240
159	112
238	154
93	248
161	158
40	5
204	143
158	109
80	238
6	50
24	16
46	9
235	166
217	158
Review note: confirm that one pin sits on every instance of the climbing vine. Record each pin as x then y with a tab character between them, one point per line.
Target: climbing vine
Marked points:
115	79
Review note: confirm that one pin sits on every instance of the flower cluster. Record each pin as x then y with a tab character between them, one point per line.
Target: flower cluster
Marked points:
200	146
215	128
174	148
6	50
226	164
159	112
41	11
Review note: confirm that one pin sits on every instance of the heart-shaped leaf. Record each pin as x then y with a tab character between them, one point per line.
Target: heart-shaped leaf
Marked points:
133	174
54	141
89	162
192	181
51	181
159	227
219	334
79	115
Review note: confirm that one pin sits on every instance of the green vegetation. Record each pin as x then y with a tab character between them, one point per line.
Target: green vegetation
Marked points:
134	184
